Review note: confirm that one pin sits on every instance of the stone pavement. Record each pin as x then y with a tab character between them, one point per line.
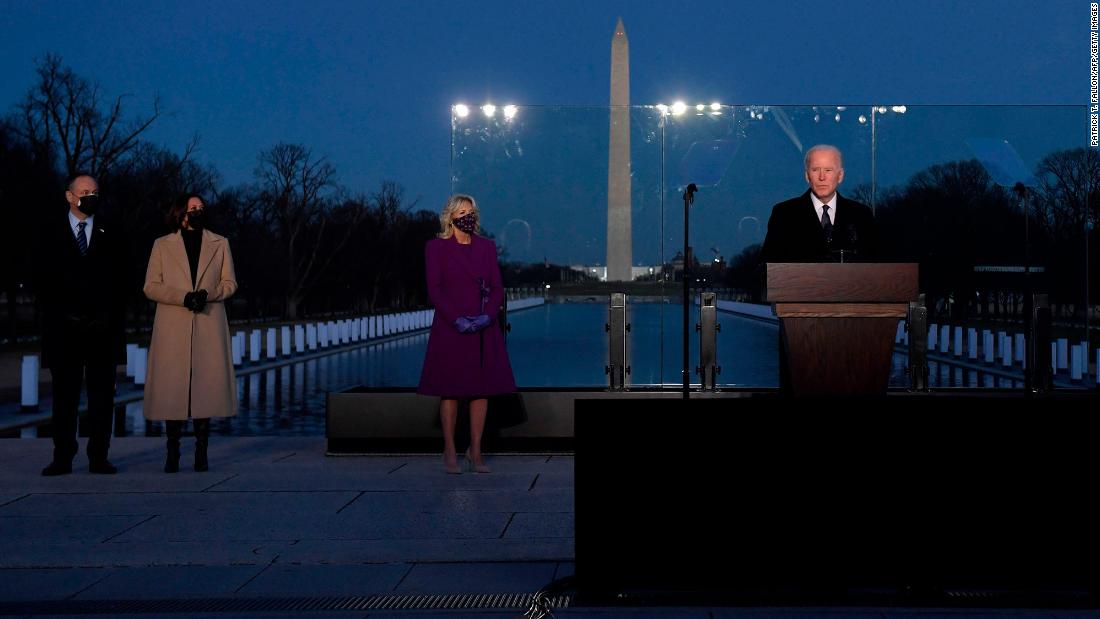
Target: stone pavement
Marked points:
275	519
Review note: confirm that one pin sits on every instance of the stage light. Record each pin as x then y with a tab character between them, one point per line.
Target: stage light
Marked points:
882	109
899	109
714	107
837	117
679	108
489	109
700	107
862	119
509	112
841	108
663	109
462	111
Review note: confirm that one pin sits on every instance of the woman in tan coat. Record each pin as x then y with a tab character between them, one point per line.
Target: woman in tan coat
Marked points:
190	372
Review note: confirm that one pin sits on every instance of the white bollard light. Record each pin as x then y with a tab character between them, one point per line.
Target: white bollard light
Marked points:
271	350
972	343
254	346
141	358
29	393
299	339
238	349
284	333
130	350
1063	353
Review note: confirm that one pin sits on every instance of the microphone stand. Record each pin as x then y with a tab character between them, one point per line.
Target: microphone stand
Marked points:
1029	309
689	198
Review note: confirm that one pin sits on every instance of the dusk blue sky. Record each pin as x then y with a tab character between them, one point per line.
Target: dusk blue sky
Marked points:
370	84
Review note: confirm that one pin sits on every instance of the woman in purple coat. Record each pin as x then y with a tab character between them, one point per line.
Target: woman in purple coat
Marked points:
466	358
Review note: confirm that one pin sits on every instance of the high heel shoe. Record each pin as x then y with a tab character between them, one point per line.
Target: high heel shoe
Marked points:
451	469
476	468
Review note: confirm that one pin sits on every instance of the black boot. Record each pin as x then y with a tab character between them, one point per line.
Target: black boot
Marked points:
174	429
202	439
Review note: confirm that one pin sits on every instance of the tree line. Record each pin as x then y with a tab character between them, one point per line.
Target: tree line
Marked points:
303	244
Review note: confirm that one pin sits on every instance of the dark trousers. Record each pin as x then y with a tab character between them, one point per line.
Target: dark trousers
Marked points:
69	374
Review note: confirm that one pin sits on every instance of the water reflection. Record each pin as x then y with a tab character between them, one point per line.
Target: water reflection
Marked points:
553	345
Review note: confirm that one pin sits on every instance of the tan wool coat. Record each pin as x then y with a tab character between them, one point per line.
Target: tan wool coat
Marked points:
190	356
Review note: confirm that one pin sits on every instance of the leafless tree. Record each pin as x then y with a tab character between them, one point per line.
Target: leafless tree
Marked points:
296	194
1069	184
65	115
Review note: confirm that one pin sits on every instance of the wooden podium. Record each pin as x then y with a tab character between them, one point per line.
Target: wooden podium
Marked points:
837	323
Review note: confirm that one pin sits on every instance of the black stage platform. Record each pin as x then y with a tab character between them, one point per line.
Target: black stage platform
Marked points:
969	499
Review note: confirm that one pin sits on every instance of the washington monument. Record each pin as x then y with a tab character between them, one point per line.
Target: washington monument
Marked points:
619	251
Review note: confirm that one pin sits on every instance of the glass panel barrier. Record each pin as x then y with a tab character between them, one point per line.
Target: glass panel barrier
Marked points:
940	180
946	196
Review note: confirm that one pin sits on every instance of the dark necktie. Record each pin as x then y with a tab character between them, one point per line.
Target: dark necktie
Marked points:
81	240
827	223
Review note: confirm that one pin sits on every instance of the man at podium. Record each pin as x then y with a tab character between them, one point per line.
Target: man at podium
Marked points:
821	225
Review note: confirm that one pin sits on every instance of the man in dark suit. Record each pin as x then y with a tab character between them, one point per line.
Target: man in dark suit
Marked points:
821	225
81	275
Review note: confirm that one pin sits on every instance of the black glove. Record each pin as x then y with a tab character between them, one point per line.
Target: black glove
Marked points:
200	301
195	301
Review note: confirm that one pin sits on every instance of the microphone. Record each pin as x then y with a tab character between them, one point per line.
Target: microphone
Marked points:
689	193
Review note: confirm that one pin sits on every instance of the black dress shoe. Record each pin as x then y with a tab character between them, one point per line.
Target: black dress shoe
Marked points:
102	467
56	468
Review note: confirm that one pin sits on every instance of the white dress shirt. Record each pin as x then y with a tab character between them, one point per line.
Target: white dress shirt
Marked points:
74	220
818	206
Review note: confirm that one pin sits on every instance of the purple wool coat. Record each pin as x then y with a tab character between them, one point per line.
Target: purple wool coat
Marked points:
464	365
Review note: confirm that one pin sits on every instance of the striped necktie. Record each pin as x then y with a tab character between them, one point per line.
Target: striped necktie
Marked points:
81	240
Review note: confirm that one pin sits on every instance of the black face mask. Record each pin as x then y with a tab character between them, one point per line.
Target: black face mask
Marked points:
196	219
467	223
88	205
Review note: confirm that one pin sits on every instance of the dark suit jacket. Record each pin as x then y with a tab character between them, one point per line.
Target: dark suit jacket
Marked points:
795	233
82	299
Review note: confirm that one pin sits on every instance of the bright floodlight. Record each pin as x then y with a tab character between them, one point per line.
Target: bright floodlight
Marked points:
663	109
714	107
462	111
679	108
700	107
489	109
509	112
898	109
